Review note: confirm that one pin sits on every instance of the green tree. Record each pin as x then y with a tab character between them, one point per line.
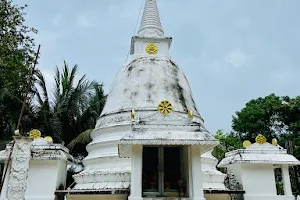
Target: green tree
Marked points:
74	109
16	57
259	116
273	117
289	113
228	142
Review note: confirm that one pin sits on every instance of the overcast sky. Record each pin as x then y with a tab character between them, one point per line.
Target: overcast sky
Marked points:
231	51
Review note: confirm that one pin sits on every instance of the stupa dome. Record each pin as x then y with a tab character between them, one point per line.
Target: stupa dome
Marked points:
145	82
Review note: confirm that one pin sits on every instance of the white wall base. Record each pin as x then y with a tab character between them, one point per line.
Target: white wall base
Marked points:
135	198
96	197
270	197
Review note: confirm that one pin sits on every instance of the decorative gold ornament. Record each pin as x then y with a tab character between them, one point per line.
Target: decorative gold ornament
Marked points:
274	141
246	143
260	139
48	138
165	107
17	132
190	114
132	114
151	48
35	134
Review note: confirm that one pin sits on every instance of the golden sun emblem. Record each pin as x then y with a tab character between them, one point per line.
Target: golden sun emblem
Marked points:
35	134
260	139
151	48
165	107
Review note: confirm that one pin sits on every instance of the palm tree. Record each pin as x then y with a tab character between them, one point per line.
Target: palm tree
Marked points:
73	109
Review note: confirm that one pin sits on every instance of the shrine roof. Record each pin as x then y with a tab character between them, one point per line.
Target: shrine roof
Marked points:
166	134
43	150
260	154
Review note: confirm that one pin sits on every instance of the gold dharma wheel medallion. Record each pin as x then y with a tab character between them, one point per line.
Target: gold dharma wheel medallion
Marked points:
151	48
260	139
165	107
35	134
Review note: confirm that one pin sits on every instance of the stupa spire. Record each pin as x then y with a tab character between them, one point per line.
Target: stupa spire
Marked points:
150	24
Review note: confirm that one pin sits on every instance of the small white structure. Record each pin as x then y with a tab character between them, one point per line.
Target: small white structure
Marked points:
253	168
37	169
213	180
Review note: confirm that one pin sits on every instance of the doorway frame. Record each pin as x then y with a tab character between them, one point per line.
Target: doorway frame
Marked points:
161	171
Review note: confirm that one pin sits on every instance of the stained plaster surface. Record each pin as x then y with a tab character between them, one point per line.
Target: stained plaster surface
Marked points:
147	81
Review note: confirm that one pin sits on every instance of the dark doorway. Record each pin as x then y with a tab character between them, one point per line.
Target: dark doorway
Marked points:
162	169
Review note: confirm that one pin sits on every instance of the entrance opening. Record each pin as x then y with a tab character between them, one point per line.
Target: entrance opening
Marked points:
279	181
162	170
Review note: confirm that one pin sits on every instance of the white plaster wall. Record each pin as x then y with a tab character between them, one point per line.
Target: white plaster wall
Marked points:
258	179
140	46
259	183
43	177
236	170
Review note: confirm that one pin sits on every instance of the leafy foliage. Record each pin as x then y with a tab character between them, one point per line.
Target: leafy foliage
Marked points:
72	113
259	116
228	142
16	56
83	138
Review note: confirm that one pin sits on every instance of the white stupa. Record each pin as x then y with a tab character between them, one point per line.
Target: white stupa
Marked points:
131	118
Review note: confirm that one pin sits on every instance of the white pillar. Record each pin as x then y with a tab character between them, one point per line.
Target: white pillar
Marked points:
190	174
197	175
286	181
21	155
136	173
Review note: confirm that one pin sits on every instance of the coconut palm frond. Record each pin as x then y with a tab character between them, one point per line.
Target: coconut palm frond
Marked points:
83	138
43	98
57	85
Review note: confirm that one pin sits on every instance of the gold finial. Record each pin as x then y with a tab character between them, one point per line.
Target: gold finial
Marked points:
151	48
48	138
260	139
132	114
246	143
165	107
274	141
190	114
17	132
35	134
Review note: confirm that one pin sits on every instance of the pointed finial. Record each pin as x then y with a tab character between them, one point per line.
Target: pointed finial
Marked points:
150	25
274	141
